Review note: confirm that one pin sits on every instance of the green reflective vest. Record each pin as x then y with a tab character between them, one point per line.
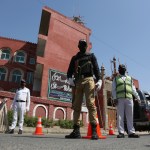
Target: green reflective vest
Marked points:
124	88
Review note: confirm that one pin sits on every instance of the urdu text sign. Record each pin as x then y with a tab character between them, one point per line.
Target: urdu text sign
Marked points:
59	88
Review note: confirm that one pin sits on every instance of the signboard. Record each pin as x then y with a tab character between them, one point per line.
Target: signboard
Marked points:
59	88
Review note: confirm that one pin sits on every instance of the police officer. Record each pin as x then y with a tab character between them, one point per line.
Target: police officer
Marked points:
122	91
80	74
20	105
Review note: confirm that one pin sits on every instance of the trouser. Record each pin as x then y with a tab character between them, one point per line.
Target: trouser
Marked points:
125	107
18	110
84	86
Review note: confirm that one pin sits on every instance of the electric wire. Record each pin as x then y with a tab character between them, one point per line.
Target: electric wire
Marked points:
116	50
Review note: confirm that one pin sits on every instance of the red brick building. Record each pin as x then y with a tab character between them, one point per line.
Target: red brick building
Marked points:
44	65
17	60
57	43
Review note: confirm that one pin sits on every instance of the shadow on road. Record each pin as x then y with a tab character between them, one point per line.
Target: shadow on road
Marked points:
39	136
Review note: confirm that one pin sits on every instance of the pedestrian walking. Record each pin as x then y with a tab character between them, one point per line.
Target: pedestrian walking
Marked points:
82	69
123	90
20	105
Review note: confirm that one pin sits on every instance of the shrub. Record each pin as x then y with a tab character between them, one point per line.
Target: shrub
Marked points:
30	121
47	123
67	124
10	116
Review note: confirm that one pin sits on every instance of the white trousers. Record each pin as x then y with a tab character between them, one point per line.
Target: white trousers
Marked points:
125	108
18	110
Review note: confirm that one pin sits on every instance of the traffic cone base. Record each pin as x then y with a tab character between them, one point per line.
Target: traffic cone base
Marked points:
89	133
38	130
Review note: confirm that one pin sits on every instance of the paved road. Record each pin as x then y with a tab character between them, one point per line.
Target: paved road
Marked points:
58	142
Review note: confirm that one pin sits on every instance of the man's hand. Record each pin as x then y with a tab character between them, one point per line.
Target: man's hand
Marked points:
71	82
138	100
98	85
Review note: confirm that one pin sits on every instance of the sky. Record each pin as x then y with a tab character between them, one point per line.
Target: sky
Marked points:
120	28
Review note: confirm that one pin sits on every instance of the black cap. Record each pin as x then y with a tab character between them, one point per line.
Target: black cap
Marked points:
23	81
122	66
82	41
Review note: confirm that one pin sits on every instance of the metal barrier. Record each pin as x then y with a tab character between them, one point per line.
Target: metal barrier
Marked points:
3	116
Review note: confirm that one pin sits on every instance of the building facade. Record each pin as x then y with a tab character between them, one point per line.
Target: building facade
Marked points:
17	60
44	66
57	42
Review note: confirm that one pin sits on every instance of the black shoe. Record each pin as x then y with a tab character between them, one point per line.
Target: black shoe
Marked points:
75	134
120	135
11	131
20	131
133	135
94	137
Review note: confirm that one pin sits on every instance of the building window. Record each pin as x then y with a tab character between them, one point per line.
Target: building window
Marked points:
5	54
20	57
32	61
29	77
2	74
16	76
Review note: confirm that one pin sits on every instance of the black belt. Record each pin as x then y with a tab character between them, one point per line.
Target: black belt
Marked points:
20	101
85	76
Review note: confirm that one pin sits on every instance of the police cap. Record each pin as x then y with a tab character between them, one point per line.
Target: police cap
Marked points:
122	66
23	81
82	41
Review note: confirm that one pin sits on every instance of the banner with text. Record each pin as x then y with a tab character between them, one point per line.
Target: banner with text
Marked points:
59	88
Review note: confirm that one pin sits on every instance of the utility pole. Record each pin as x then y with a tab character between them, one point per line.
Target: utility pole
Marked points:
102	72
114	63
104	116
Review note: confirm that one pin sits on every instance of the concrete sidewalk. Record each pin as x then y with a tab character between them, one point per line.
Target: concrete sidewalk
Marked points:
56	130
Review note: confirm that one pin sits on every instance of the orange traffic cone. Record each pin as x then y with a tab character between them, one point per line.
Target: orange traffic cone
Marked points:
111	131
38	130
98	130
